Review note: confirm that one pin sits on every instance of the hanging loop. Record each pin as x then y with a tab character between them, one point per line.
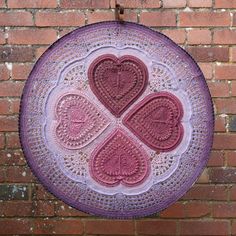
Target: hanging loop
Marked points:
119	12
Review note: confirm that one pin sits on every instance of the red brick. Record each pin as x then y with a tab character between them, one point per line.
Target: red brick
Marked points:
174	4
90	4
198	19
21	71
234	19
40	193
17	208
98	16
205	227
8	123
15	106
4	72
40	51
178	36
216	159
65	31
109	227
58	226
225	4
16	19
18	174
233	54
62	209
32	4
225	72
226	106
219	89
233	88
231	158
174	211
209	54
28	36
2	175
224	210
167	18
12	226
233	228
224	141
197	209
156	227
223	175
130	15
2	142
59	19
220	124
43	208
137	3
12	140
232	193
4	106
2	4
206	69
11	89
206	192
199	36
204	177
12	157
224	37
16	54
145	4
200	3
2	37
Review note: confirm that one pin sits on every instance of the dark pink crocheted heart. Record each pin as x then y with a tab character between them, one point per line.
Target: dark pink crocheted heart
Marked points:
79	121
117	82
156	121
119	160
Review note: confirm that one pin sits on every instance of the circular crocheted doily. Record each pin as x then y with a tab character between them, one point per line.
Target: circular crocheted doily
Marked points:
116	120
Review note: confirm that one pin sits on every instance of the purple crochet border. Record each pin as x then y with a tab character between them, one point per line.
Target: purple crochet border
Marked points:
56	192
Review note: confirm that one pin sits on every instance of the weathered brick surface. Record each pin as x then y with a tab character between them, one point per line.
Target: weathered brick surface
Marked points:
200	3
16	54
204	227
32	4
14	192
59	19
209	54
206	28
204	19
166	18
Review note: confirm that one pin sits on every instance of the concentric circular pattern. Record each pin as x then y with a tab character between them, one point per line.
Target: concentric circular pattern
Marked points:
116	120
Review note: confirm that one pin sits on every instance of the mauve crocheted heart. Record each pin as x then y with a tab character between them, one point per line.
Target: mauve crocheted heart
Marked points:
116	120
117	82
157	121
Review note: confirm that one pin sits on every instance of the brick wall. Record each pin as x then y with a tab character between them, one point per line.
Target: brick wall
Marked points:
206	28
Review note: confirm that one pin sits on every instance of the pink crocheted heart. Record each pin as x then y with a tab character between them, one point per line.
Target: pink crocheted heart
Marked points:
79	121
117	82
157	121
119	160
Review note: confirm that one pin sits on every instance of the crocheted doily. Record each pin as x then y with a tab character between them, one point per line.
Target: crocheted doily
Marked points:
116	120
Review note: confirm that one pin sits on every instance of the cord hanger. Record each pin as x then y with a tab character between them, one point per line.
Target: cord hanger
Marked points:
119	12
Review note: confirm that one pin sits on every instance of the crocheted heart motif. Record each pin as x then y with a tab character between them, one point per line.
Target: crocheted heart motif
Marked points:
156	121
79	121
117	82
119	160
